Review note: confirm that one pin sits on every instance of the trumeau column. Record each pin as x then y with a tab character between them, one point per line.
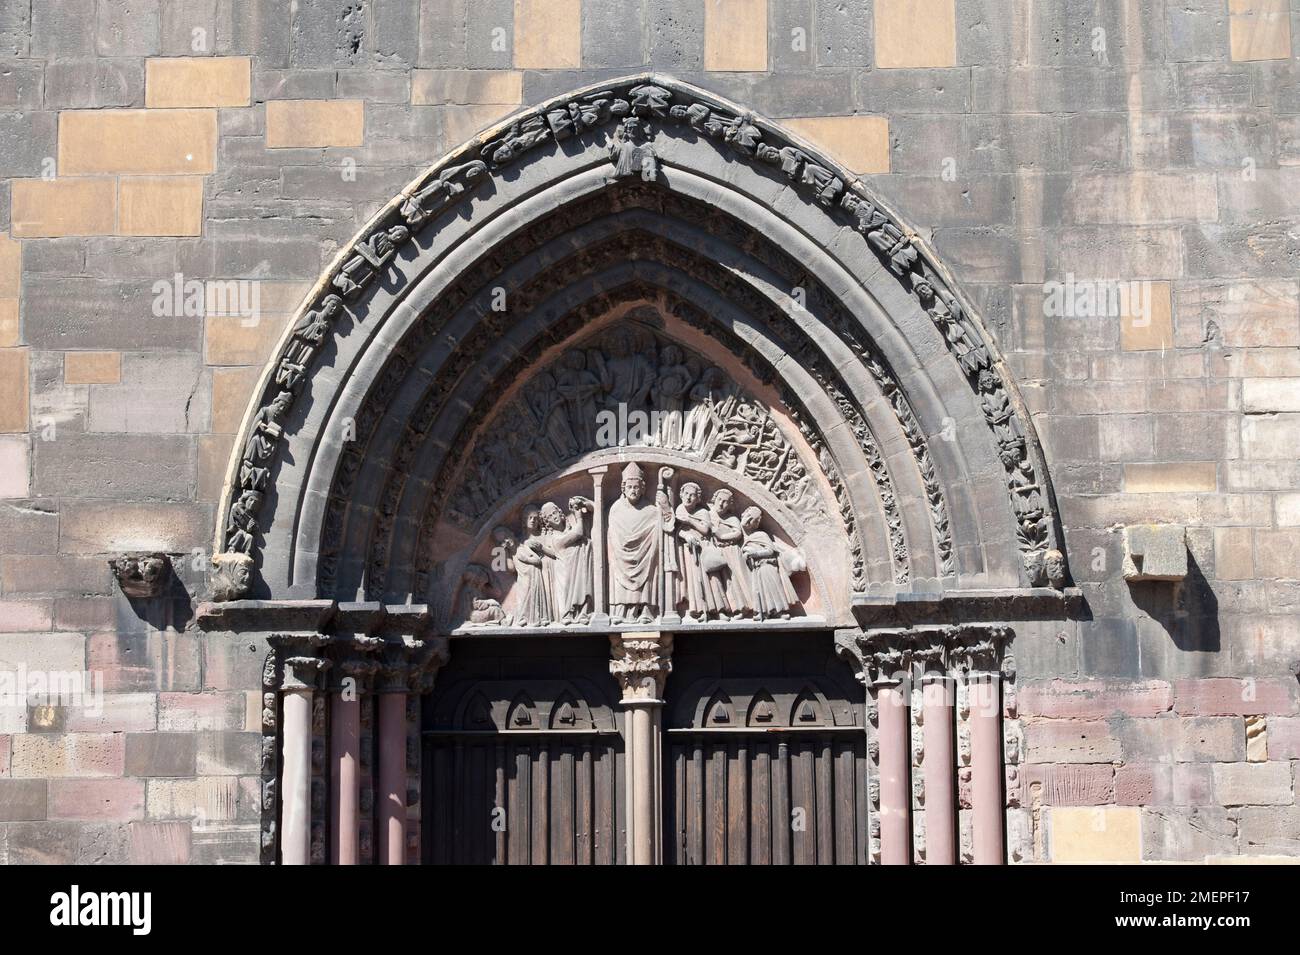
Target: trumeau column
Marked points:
641	663
301	675
977	652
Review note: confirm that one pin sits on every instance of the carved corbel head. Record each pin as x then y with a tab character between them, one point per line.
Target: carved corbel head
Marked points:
142	575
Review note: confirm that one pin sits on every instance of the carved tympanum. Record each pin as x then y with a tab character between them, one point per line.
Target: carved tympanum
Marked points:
665	552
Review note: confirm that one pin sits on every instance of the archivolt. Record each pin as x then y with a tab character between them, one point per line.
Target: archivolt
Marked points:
745	233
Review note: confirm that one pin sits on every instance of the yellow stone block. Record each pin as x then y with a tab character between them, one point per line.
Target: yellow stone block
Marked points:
241	340
172	82
9	330
59	207
1146	316
859	142
548	34
11	267
735	35
915	33
1181	477
92	368
231	390
1096	834
1259	29
146	142
314	122
167	205
14	388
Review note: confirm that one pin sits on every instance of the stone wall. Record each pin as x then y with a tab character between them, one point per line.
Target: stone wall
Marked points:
151	149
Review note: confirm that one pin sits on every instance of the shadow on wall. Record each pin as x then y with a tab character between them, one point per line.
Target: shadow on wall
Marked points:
1187	609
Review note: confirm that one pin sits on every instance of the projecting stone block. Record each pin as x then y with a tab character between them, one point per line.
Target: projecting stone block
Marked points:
1155	552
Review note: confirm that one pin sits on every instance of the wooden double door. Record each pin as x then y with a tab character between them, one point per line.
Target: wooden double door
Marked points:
762	743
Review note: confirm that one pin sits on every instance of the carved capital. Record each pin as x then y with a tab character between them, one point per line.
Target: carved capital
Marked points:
303	672
977	650
142	575
641	663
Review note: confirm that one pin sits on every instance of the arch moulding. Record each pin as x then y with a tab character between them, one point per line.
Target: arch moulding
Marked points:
878	403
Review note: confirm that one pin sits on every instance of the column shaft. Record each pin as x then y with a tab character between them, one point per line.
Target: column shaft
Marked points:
986	768
891	720
295	781
940	772
345	779
391	797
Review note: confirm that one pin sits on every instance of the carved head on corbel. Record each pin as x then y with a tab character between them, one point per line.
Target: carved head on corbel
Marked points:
141	575
232	576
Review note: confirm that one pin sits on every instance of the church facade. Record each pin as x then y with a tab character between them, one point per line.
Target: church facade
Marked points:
833	441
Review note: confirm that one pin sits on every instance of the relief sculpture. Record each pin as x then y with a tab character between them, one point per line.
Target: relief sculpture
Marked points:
670	553
629	387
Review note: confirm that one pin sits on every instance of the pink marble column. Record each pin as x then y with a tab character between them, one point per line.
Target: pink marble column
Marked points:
391	797
300	677
986	767
345	777
937	694
895	802
641	663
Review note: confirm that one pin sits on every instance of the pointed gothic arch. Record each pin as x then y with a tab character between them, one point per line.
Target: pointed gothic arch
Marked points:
636	246
641	190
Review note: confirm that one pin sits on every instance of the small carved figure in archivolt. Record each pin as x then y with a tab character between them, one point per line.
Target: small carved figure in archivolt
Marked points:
632	152
769	568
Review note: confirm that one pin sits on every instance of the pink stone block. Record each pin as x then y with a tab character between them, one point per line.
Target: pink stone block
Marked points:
1228	696
189	712
5	746
1094	699
1069	785
23	616
160	843
54	755
1163	784
109	800
1135	785
1070	741
1283	735
118	713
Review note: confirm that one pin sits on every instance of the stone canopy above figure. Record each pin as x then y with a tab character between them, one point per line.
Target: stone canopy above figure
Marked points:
656	554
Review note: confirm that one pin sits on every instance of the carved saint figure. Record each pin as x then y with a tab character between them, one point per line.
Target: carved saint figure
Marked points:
729	536
772	591
631	152
670	393
703	592
570	540
627	375
578	387
633	547
535	608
